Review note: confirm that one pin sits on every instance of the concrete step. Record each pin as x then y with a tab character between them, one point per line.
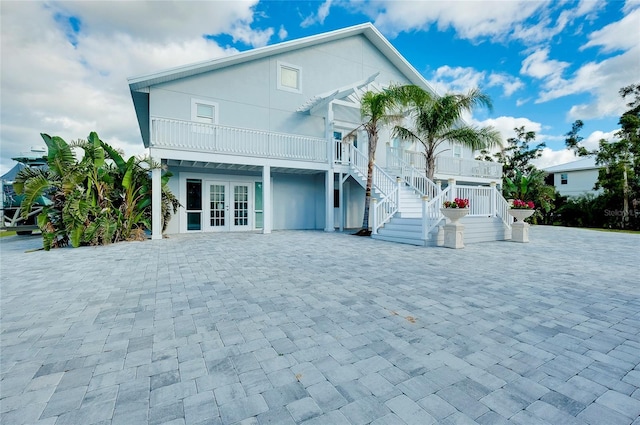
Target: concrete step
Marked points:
396	239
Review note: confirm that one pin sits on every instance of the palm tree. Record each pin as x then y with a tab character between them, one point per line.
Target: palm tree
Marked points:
439	118
376	109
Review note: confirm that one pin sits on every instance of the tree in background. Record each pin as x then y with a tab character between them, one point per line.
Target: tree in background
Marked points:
619	177
518	153
521	179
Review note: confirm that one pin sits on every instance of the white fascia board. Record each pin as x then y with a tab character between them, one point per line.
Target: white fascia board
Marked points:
200	156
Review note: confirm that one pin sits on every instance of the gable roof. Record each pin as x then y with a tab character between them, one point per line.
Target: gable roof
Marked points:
139	86
141	83
588	163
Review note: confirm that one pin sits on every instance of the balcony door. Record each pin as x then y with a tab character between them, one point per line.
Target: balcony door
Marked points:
229	206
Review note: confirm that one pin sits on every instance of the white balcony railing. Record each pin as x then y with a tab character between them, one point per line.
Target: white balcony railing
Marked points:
236	141
448	165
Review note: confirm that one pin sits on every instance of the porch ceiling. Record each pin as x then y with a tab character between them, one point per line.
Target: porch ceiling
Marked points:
235	167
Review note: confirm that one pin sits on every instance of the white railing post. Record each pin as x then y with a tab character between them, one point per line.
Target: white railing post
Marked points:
453	193
439	186
374	216
492	199
399	183
425	218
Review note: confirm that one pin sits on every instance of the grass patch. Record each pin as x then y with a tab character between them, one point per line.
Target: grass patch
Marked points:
7	233
634	232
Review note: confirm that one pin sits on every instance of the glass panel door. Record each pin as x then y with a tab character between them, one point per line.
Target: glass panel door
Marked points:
241	207
229	206
194	204
218	207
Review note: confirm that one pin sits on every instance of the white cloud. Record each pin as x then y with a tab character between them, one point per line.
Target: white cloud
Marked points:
617	35
319	16
159	22
49	85
550	158
282	33
243	32
593	140
470	19
462	79
508	83
505	125
456	79
600	79
538	65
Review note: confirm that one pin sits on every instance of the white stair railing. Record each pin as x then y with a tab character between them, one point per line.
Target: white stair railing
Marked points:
385	207
502	208
431	214
412	176
479	197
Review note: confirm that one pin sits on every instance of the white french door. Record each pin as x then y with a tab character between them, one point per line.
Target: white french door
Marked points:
228	207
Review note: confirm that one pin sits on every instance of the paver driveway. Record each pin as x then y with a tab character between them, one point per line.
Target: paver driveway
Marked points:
318	328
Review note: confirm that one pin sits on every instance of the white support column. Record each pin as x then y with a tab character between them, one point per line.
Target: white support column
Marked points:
493	198
156	203
341	200
425	221
439	185
328	134
399	182
452	191
374	215
267	208
329	186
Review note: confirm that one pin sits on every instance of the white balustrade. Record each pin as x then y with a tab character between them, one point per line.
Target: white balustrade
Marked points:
447	165
237	141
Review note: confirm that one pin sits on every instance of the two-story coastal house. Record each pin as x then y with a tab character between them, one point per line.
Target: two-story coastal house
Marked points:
256	141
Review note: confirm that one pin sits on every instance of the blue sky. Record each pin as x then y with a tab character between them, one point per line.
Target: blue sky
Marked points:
544	63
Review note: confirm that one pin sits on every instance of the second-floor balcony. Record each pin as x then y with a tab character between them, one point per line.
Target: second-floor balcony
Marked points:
219	139
193	136
446	166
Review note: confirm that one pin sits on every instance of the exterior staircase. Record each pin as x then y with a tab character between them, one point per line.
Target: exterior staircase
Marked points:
398	212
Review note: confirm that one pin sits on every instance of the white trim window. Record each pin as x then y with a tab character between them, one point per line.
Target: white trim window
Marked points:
289	77
204	111
457	150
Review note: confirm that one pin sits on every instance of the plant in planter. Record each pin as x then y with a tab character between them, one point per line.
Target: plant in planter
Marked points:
456	203
454	231
522	209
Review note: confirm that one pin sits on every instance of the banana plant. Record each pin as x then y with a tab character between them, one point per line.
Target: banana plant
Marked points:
99	200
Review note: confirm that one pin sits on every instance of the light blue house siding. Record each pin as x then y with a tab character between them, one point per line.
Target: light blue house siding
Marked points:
247	96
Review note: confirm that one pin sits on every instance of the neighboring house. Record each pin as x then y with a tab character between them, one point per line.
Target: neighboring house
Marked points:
575	178
256	140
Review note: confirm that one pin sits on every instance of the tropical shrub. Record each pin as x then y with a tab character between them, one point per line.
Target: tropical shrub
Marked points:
97	200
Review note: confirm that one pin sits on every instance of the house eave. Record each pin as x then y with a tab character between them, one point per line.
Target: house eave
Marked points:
141	82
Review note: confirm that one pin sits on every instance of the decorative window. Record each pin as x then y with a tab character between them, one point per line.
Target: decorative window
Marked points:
457	151
564	178
204	111
289	77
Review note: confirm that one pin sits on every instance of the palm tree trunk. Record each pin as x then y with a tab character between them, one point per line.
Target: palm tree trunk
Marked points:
373	142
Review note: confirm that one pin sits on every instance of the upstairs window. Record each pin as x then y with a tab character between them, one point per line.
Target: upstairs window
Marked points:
457	151
289	77
204	111
564	178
